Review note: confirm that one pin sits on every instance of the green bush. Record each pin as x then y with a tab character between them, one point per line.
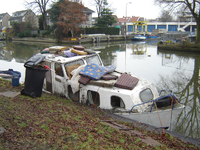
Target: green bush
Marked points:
20	35
102	30
34	35
44	33
27	33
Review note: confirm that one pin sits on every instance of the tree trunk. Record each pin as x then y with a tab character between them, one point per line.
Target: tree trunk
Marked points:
198	32
44	22
72	33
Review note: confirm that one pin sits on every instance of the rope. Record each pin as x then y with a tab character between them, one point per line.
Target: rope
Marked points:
172	101
159	117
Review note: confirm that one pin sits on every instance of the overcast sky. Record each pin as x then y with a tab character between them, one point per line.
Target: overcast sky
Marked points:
142	8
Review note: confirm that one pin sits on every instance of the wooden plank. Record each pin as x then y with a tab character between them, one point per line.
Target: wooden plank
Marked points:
146	139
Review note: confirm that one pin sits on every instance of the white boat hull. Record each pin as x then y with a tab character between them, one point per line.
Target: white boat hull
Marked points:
167	117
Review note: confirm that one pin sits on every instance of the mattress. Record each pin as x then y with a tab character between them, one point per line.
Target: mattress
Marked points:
95	72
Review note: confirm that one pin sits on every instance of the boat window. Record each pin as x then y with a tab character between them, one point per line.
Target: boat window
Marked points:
73	65
80	61
58	69
146	95
93	98
94	59
117	102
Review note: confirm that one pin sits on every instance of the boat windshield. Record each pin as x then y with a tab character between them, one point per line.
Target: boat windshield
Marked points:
94	59
73	65
80	62
146	95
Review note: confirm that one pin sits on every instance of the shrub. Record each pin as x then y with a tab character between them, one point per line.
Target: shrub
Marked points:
20	35
102	30
27	33
35	35
44	33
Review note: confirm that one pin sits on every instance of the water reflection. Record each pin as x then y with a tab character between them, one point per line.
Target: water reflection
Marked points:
167	70
15	54
186	87
19	51
139	48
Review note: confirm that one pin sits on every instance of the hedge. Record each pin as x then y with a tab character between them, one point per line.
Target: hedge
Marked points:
106	30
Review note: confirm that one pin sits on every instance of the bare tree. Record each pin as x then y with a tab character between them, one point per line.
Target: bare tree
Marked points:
42	6
165	16
99	6
192	5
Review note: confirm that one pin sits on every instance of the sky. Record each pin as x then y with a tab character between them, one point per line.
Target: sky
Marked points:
142	8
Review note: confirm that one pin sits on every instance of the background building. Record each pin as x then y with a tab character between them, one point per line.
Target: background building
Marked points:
24	16
4	20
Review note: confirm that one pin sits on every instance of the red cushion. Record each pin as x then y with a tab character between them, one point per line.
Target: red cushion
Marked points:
84	80
126	81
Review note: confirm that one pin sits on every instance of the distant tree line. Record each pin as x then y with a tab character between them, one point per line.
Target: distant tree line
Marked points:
66	18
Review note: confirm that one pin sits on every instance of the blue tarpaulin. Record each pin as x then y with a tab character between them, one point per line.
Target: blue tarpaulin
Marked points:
12	72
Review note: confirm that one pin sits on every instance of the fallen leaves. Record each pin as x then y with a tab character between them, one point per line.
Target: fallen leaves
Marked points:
53	122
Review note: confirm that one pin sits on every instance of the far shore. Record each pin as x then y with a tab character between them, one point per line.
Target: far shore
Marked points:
89	39
185	47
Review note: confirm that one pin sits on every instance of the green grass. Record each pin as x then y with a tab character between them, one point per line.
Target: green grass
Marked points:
53	122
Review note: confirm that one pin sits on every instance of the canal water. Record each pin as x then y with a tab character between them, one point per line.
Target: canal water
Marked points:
178	71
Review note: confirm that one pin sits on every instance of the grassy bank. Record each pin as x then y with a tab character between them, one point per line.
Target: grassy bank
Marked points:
53	122
184	46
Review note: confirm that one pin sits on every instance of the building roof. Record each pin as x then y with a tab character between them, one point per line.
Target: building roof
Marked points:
88	10
128	19
134	18
20	16
2	15
124	19
21	11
